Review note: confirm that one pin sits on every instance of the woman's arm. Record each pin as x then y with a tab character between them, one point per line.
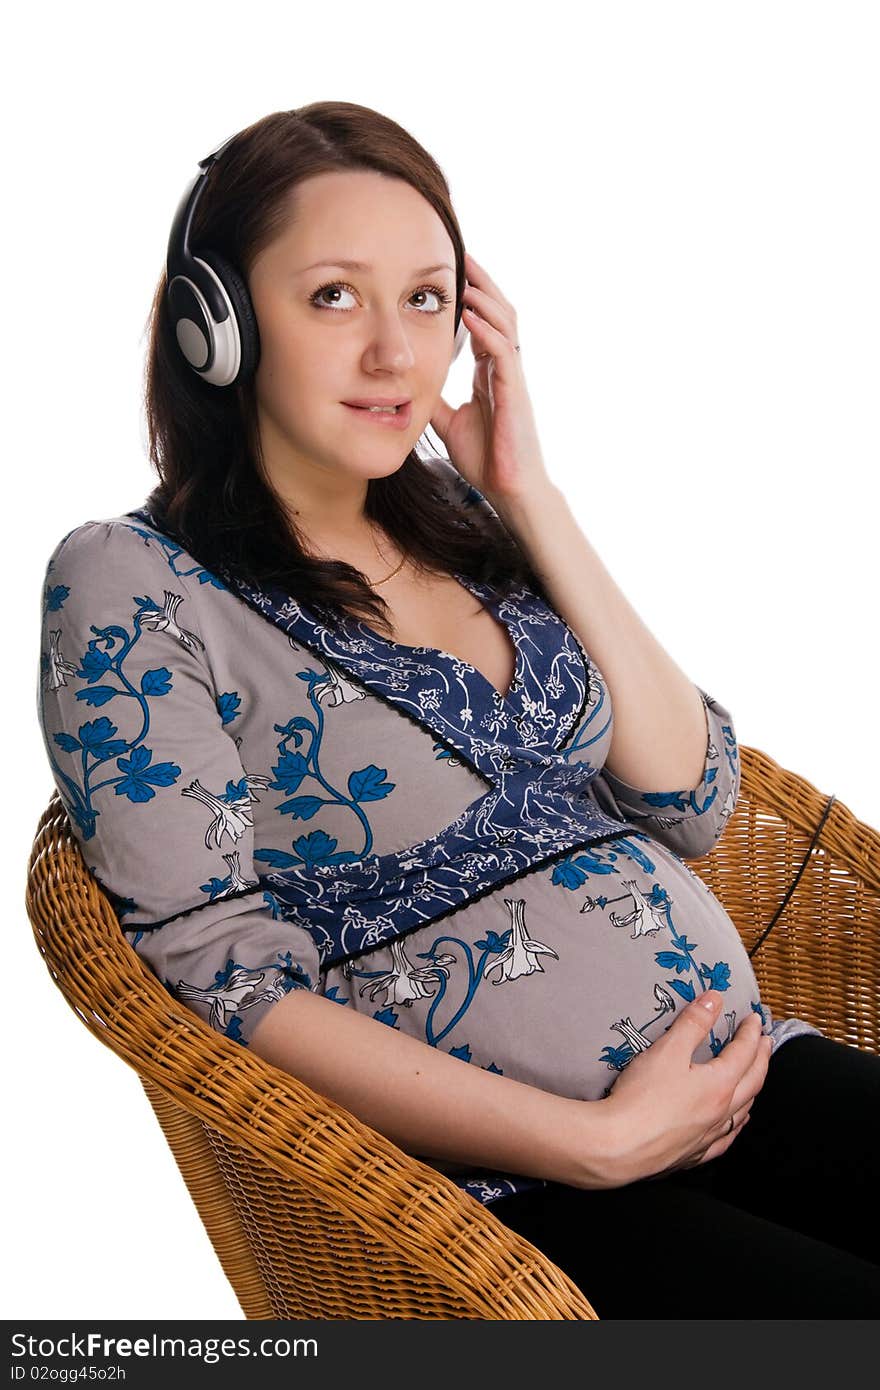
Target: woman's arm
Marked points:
659	736
430	1103
687	817
144	757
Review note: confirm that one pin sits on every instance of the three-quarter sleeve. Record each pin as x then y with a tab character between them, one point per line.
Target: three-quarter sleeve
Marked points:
689	821
159	801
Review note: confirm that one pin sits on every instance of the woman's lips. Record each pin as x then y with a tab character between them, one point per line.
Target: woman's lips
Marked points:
391	420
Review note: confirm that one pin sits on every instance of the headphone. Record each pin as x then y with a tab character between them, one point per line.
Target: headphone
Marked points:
209	303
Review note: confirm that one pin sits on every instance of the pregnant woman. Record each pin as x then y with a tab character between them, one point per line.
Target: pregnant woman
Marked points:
388	782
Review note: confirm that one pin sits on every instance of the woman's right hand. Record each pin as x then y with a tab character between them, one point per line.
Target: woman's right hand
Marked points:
667	1112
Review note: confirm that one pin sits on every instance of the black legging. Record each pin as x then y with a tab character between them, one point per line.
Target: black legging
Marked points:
783	1225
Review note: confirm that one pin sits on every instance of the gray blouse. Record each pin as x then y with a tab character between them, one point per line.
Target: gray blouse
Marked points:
273	802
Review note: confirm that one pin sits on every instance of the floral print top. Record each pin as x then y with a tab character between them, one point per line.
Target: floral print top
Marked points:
272	802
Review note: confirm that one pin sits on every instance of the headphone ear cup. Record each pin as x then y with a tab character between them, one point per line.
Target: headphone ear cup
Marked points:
243	310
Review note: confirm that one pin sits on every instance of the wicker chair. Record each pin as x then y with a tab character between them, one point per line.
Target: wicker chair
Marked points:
312	1213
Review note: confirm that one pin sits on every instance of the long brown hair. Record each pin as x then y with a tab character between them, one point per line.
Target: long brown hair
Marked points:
214	495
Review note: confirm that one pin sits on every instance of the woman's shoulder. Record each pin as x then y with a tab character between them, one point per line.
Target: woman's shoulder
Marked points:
92	534
444	472
113	552
457	488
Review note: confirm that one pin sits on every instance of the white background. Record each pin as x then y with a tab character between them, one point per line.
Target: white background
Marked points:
681	201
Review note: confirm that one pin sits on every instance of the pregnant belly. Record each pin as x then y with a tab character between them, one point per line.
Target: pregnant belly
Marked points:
561	977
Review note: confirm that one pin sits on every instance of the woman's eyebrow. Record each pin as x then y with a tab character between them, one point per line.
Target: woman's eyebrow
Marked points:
361	265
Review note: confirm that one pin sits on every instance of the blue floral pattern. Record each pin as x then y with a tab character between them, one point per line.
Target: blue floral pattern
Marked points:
465	868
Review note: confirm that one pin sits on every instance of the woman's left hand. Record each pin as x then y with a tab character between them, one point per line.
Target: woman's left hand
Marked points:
492	439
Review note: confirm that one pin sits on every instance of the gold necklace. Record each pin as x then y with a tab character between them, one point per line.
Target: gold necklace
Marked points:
397	568
395	571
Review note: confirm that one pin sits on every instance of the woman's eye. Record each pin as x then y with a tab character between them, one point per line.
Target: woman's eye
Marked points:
440	295
325	289
336	288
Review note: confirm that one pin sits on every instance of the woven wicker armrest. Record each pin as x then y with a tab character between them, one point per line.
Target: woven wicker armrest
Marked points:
821	959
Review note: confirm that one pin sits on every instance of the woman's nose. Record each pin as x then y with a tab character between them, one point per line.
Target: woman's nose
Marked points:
388	344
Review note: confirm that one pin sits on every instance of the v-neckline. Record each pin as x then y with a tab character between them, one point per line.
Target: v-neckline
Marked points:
534	721
485	595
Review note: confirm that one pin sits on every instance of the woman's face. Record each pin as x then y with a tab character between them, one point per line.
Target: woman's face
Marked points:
331	334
